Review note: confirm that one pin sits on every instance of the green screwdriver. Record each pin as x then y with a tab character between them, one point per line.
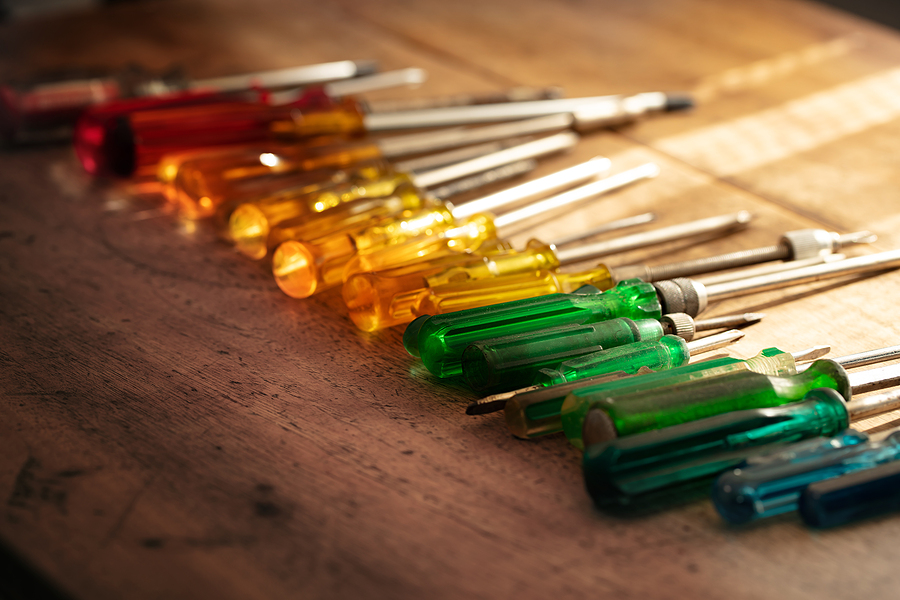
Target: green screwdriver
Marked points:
621	470
536	412
441	339
505	363
604	416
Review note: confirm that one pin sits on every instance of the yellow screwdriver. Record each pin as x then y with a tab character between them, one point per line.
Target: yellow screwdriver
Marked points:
305	267
395	296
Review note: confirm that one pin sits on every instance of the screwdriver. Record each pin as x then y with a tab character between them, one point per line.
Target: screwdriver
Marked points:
149	134
675	353
316	191
535	411
46	108
374	299
771	483
851	497
250	223
440	339
795	245
462	295
623	469
601	416
305	267
120	138
464	243
374	282
593	371
505	363
211	179
356	215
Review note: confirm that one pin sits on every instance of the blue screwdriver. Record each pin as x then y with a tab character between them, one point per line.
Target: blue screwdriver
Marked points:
628	468
770	484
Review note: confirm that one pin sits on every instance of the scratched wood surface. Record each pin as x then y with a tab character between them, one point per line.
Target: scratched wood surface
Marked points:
172	426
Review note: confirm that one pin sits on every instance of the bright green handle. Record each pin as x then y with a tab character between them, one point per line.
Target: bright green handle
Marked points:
441	339
510	362
693	400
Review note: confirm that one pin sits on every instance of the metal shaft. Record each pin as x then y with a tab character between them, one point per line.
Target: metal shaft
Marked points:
810	354
860	359
658	236
288	77
484	113
714	342
873	405
874	379
417	143
728	321
850	266
794	245
769	269
515	94
378	81
535	188
641	219
579	194
541	147
421	164
467	184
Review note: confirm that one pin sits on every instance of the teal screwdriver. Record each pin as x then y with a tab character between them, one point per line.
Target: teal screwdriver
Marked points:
625	469
505	363
770	484
604	416
534	412
441	339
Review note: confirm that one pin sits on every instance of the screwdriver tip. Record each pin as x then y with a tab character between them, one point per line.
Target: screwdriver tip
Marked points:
480	407
680	101
750	318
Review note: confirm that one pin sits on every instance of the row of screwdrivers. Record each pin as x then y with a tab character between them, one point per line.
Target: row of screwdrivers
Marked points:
606	350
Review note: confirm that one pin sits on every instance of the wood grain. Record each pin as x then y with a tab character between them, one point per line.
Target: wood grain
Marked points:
171	425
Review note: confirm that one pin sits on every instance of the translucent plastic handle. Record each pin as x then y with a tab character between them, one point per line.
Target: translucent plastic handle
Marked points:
669	352
305	267
346	118
620	471
773	485
218	175
473	234
251	222
386	298
441	339
851	497
507	363
628	414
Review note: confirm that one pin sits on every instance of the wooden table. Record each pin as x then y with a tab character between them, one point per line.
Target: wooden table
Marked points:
173	426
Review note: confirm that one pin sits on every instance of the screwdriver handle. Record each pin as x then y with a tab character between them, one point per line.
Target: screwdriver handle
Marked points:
619	471
441	339
471	234
668	352
534	413
852	497
381	299
642	411
502	364
324	258
452	297
218	176
771	484
251	222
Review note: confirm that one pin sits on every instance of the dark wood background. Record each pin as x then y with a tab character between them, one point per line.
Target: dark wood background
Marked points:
173	426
